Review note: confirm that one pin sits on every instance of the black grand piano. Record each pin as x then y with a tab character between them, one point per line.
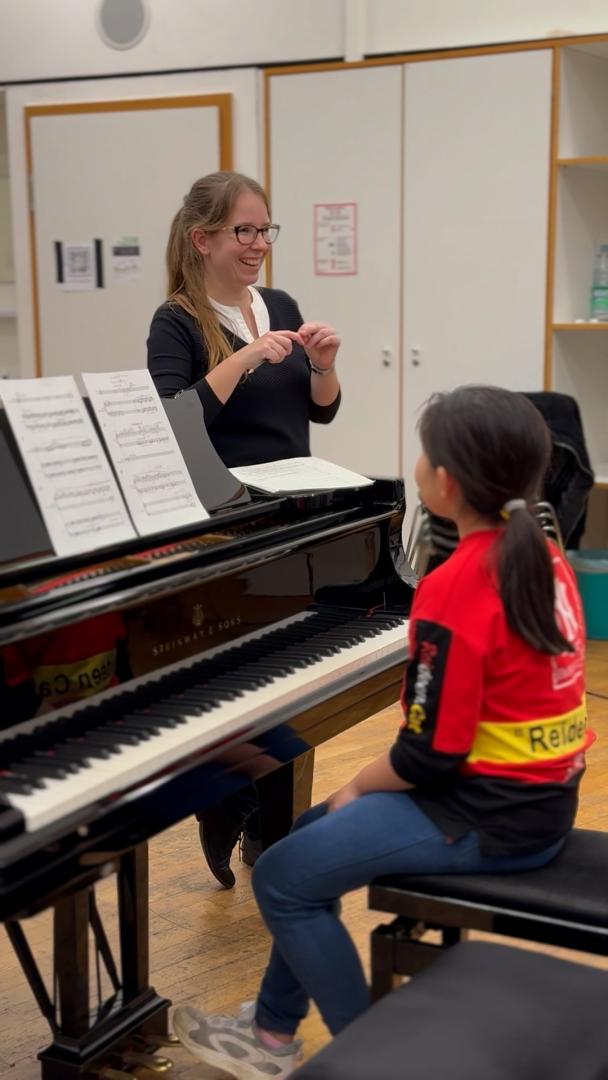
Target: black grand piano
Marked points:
140	684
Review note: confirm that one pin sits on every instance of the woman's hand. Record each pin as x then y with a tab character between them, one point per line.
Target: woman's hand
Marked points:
343	796
273	346
321	343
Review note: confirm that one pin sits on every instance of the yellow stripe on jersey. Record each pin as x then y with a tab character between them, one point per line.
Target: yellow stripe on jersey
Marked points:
535	740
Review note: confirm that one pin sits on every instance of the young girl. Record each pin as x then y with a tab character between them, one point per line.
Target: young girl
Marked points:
484	773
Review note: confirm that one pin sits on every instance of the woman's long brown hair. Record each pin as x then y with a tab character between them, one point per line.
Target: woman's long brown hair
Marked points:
207	206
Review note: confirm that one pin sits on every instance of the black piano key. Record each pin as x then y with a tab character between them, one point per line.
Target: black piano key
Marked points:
12	822
77	751
200	697
102	736
354	634
144	721
140	730
15	785
179	707
220	691
268	667
277	666
187	705
305	648
40	771
89	744
236	680
49	759
164	718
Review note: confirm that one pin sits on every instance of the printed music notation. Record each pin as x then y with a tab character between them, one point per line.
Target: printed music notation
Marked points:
144	451
293	475
77	494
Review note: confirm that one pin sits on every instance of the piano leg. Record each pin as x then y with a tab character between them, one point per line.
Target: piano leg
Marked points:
303	769
85	1037
284	794
134	938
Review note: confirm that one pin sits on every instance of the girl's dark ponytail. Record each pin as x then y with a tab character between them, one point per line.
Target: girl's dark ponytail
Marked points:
497	446
527	583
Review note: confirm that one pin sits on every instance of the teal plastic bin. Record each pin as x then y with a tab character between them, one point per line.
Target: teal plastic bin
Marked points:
591	569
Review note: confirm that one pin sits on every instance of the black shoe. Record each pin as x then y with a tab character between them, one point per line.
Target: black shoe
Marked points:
250	847
219	831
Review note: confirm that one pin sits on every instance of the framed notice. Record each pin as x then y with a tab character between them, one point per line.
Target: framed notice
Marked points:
335	238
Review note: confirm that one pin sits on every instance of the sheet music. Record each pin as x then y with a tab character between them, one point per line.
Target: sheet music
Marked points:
298	474
144	451
77	493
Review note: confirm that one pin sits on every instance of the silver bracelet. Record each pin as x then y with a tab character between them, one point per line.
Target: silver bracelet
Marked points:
322	371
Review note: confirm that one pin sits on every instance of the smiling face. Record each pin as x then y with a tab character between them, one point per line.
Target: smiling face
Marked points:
230	266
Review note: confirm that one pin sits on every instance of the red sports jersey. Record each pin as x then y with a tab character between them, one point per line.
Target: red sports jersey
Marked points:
494	731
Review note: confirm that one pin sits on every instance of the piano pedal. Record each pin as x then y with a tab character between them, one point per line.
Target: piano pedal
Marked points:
152	1062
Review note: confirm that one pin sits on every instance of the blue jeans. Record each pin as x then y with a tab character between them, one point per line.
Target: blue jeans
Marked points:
299	880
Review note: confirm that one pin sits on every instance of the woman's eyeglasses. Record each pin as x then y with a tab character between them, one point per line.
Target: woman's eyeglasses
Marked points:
248	234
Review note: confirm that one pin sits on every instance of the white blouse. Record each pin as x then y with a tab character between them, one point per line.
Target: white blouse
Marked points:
232	317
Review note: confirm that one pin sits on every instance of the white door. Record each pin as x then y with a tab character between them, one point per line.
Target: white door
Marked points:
477	133
108	171
336	138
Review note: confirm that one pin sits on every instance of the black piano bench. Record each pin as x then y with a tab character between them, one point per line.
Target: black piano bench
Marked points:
564	903
482	1012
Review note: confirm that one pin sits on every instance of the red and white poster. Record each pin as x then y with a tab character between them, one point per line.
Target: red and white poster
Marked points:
335	238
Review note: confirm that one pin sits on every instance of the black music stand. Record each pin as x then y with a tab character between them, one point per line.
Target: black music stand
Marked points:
215	485
23	534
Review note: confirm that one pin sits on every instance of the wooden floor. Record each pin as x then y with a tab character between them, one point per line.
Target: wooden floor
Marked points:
208	946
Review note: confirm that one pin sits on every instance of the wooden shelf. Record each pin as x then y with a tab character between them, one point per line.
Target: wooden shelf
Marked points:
577	364
600	164
569	327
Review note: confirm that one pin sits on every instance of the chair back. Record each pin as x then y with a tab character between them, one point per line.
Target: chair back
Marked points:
432	539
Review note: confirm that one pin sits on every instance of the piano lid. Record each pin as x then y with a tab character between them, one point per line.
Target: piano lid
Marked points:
45	590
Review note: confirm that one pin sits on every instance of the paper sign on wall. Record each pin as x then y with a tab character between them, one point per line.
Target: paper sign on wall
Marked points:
79	267
335	238
126	258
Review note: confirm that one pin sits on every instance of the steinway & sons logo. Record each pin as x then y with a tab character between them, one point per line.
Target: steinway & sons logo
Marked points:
203	630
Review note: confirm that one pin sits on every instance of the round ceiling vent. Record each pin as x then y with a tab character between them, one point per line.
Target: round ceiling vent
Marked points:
123	23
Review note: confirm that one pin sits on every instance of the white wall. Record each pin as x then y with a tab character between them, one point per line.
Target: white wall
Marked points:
242	84
49	39
56	39
410	25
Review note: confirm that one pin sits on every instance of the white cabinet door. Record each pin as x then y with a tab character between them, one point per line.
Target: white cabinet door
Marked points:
336	137
477	133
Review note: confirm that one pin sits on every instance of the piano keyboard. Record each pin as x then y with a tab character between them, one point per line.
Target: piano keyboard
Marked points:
91	752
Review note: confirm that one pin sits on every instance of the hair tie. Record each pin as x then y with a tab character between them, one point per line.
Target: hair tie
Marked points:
510	506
